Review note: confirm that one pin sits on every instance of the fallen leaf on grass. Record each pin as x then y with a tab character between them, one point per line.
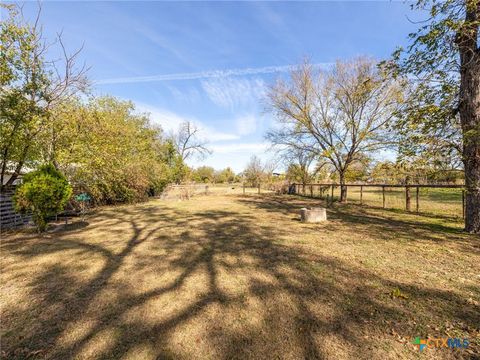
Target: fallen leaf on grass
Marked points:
396	293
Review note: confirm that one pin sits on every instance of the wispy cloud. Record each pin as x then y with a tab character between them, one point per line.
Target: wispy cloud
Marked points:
274	22
170	121
234	155
190	95
240	148
231	92
162	42
246	124
209	74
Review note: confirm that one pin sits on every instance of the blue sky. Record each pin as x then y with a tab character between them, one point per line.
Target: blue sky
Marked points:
211	62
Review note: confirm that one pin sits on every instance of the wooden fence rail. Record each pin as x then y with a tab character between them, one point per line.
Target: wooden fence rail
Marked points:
328	190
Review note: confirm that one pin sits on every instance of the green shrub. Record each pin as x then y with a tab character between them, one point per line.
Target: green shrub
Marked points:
43	193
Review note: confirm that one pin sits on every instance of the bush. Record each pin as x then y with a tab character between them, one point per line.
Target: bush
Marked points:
43	193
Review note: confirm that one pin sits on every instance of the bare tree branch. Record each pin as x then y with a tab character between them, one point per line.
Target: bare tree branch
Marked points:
188	143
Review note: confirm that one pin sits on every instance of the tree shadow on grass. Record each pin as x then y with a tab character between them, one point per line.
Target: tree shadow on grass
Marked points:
370	221
223	286
400	211
74	225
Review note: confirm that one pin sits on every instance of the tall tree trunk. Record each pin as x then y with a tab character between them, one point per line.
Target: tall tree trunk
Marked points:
343	188
469	109
470	119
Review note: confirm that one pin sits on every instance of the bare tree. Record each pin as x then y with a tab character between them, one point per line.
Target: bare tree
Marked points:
31	86
337	115
188	143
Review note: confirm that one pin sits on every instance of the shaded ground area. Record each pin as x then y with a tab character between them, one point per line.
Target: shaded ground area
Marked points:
233	276
432	201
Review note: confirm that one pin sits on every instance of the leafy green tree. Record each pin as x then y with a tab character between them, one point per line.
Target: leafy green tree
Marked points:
171	164
420	171
359	170
102	144
112	152
389	172
297	174
257	173
30	85
43	193
205	174
225	176
300	162
443	116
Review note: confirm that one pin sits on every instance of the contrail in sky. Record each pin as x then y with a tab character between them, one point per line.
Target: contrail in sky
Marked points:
205	74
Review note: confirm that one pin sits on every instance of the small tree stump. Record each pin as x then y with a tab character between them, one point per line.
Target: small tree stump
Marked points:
313	215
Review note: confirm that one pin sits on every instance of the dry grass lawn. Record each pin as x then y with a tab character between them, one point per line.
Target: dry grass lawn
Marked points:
239	277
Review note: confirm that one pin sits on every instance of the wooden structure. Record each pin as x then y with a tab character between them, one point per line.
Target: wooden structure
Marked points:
9	218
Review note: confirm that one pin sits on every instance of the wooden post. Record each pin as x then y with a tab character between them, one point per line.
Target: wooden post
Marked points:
361	195
407	198
463	204
383	195
418	200
259	187
206	189
243	188
311	191
332	196
303	189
